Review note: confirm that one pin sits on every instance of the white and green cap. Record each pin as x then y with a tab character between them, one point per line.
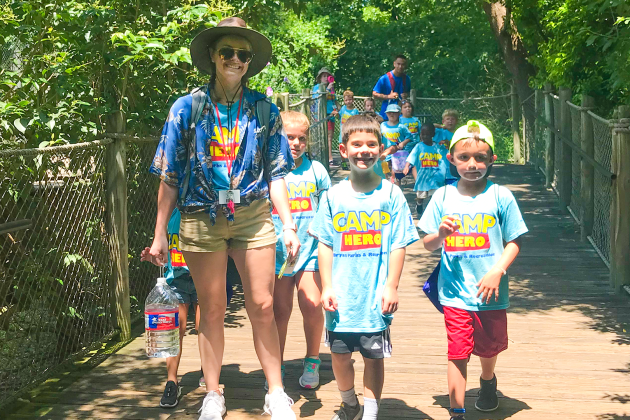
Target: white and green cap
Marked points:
473	129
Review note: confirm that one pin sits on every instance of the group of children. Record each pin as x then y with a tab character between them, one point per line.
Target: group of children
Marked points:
354	236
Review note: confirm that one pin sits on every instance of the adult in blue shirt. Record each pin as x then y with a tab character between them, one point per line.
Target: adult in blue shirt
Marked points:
393	85
222	171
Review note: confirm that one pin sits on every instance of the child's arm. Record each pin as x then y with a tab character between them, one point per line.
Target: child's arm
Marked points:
389	302
434	241
489	284
325	257
406	168
414	172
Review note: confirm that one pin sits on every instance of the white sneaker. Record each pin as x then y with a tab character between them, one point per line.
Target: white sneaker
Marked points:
310	374
278	404
213	407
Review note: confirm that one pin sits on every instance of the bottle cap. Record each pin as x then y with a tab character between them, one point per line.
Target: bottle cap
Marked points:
161	280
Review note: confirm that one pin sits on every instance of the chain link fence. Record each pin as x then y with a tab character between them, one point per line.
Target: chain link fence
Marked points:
538	142
56	290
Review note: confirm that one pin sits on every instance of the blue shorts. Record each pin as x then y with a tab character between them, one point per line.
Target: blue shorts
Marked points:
184	289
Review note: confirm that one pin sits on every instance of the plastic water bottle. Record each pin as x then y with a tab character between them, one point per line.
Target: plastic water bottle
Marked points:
161	321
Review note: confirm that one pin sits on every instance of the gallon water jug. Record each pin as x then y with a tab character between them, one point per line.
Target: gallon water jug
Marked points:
161	321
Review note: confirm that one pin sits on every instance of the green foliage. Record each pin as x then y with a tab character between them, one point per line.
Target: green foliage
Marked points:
582	44
449	44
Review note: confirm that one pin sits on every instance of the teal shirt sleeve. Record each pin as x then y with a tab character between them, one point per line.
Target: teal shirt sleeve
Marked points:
321	226
413	156
403	231
511	219
432	217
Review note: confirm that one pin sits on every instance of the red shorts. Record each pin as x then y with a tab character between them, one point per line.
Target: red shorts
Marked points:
482	333
331	126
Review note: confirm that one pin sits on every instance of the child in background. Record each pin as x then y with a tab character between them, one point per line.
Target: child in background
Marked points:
347	110
470	221
179	279
368	105
304	184
412	123
363	225
395	138
428	167
443	136
324	76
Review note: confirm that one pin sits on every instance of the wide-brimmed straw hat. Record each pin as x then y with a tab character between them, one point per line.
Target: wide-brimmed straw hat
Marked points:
200	45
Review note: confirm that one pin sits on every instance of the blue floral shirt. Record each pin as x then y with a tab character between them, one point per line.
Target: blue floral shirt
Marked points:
172	155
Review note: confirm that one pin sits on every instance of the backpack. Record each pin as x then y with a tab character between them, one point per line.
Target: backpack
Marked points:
199	95
392	81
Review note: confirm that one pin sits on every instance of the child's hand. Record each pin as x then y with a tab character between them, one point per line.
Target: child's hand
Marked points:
406	169
389	302
489	285
334	113
448	227
145	256
329	299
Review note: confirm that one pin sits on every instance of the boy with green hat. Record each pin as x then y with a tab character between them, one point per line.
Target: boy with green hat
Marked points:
471	220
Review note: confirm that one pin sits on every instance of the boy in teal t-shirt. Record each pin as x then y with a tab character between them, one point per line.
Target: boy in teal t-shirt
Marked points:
426	161
396	137
305	183
471	220
363	225
443	137
347	110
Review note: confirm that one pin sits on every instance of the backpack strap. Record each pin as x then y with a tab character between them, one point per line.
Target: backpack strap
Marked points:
199	99
392	81
263	113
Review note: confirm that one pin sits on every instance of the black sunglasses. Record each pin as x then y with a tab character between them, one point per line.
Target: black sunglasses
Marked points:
244	56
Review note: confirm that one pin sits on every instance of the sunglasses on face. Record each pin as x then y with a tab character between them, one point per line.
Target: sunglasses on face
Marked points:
244	56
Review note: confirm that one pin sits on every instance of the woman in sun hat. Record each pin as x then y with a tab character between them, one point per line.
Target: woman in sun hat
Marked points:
326	77
223	174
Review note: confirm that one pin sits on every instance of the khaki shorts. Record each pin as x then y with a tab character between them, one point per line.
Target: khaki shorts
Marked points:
252	228
423	195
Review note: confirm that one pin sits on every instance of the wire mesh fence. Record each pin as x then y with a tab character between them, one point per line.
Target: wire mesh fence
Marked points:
55	292
600	162
602	134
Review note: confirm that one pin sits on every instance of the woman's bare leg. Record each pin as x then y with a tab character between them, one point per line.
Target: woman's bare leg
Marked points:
257	270
208	270
282	307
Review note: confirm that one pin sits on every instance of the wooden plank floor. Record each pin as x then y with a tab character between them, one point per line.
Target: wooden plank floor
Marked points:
568	351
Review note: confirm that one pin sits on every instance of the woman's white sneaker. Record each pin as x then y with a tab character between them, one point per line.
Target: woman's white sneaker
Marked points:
213	407
278	405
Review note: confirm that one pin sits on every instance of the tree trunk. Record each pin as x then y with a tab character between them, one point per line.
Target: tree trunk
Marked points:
512	49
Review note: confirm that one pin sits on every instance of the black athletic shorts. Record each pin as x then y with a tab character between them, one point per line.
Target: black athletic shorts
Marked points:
376	345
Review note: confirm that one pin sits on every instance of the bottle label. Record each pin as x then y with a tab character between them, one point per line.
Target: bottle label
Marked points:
160	321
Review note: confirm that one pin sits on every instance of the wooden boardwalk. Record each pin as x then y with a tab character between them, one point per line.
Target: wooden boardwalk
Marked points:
568	353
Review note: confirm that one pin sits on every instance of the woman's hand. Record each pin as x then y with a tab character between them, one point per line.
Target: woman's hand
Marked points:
292	242
159	250
146	256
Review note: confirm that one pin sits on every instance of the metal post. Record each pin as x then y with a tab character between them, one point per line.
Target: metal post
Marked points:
516	118
587	207
538	94
566	162
619	220
116	194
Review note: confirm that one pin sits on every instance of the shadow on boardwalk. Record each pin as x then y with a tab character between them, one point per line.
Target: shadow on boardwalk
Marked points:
567	355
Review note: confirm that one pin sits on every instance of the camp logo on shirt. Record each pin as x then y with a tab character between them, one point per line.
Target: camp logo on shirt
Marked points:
360	230
300	196
345	116
392	136
177	259
218	150
472	234
430	160
412	127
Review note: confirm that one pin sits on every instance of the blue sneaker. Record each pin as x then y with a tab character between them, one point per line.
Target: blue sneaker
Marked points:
310	374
